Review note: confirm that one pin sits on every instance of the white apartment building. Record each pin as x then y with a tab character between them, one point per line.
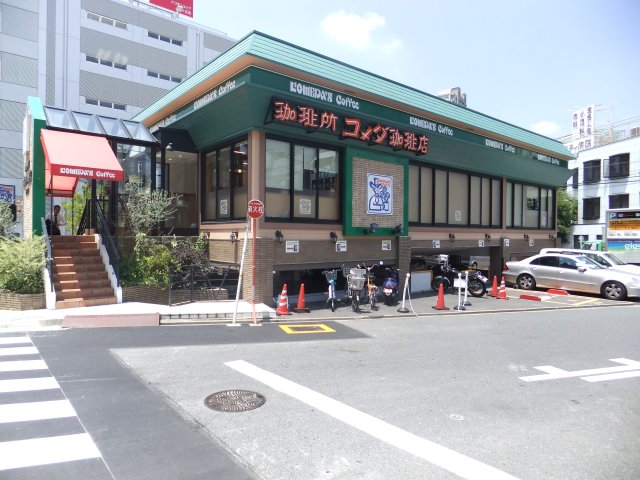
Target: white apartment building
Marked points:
109	57
605	177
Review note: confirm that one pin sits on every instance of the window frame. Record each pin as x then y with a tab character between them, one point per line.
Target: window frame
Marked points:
592	171
620	164
442	190
205	218
591	202
293	192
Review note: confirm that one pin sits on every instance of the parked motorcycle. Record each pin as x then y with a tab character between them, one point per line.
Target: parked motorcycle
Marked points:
390	285
445	274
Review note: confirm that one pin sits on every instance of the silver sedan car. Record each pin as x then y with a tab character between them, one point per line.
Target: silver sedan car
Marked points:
571	272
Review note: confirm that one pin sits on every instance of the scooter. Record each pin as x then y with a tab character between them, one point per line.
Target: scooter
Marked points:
390	286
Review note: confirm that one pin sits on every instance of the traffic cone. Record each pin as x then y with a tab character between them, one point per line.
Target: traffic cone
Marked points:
494	288
301	308
502	294
283	302
440	303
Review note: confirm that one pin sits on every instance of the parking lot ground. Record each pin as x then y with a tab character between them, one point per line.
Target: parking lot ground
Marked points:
423	305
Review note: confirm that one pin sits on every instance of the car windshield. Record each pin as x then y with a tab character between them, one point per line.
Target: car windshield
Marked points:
613	259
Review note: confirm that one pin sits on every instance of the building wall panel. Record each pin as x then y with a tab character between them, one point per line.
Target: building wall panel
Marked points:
10	163
11	115
18	70
101	87
108	47
18	22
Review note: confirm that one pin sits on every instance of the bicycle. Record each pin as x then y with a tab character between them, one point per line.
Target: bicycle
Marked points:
331	276
355	284
372	289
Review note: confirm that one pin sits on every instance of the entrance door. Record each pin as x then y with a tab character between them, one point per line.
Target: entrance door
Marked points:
181	179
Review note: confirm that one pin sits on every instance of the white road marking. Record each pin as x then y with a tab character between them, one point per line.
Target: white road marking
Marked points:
450	460
44	451
6	351
556	373
612	376
14	340
28	384
27	412
23	365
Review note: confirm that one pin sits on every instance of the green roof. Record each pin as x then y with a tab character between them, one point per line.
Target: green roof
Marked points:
279	52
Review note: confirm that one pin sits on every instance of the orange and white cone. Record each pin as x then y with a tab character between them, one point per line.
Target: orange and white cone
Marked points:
302	307
494	287
440	303
283	302
502	293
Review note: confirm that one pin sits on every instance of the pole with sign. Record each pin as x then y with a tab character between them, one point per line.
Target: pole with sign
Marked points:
255	210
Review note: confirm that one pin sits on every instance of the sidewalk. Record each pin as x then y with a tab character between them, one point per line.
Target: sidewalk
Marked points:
222	312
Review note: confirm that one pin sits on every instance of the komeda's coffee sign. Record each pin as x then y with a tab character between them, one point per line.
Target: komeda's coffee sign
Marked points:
349	127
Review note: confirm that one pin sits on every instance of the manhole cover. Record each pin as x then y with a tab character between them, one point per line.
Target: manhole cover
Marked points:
234	401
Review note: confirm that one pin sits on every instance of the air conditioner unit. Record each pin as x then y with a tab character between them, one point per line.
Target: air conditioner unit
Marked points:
635	132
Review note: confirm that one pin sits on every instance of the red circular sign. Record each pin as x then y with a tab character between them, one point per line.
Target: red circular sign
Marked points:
256	208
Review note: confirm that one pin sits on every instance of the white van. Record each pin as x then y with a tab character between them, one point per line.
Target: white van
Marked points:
605	259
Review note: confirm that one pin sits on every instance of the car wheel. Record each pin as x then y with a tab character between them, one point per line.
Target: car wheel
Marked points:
613	290
526	282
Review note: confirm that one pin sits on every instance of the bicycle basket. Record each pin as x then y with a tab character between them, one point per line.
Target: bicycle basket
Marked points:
331	275
358	272
356	283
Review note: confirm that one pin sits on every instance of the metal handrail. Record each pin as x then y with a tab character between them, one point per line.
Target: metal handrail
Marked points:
47	240
189	281
108	240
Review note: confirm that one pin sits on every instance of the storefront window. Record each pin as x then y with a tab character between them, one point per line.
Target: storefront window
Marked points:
453	198
313	190
225	182
278	179
136	163
529	206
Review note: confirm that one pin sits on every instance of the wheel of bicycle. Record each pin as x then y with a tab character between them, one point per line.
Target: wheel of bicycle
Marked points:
372	300
333	304
355	302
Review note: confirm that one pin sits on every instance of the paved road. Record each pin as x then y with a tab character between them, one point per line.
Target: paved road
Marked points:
438	397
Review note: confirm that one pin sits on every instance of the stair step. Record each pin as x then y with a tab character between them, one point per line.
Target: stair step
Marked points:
77	268
75	283
80	276
86	293
85	302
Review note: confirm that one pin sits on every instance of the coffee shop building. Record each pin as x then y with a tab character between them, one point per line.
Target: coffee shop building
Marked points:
351	168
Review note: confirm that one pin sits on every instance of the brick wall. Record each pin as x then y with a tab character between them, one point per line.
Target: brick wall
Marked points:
17	301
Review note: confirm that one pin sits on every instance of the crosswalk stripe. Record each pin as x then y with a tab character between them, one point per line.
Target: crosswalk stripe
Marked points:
6	351
28	384
44	451
14	340
26	412
23	365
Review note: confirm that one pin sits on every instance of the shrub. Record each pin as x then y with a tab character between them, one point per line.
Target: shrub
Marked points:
6	219
21	264
148	264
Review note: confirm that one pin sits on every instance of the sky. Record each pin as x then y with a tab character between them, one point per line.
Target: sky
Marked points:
531	63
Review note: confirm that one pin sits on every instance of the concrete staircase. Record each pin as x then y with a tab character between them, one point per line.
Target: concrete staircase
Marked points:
79	276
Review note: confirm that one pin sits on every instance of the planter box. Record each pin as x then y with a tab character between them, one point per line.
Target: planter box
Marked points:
22	301
160	296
